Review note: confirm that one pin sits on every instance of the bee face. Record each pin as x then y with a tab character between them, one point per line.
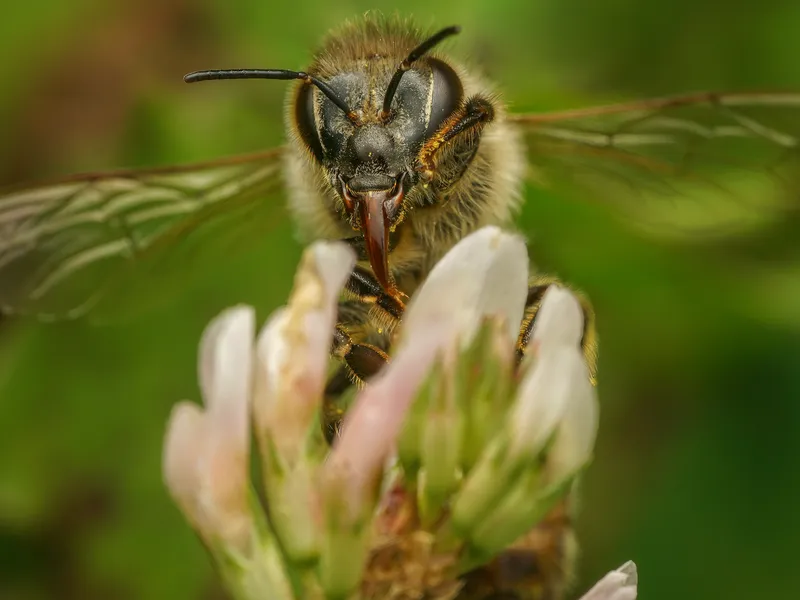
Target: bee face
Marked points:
369	155
426	96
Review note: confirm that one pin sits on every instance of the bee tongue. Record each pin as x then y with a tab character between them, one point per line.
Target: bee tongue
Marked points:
375	224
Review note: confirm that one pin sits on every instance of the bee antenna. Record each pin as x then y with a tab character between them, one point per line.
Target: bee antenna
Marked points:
273	74
415	54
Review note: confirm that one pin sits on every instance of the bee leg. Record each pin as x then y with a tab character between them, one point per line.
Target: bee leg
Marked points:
333	408
363	287
471	117
359	362
536	289
364	360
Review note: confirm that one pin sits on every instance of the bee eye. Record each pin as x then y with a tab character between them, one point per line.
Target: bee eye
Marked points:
447	94
306	122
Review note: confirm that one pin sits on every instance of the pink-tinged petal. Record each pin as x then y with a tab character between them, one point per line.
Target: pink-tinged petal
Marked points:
209	484
483	275
318	306
374	422
275	415
206	462
226	372
272	353
293	349
182	459
225	483
556	393
620	584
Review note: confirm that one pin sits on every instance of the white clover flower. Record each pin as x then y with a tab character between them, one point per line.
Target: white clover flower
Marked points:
444	459
206	454
620	584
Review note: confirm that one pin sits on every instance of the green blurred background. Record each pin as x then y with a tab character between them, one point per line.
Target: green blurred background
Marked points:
695	476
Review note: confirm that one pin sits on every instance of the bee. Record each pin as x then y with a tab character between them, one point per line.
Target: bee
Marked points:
399	151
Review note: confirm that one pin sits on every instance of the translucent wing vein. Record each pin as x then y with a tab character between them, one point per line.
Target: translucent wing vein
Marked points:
63	244
734	157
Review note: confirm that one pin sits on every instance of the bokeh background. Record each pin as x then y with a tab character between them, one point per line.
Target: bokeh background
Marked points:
696	475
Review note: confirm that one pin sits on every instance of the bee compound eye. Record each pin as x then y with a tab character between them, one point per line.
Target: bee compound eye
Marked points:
306	120
448	92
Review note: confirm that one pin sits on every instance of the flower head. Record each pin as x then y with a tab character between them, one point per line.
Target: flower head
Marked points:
447	457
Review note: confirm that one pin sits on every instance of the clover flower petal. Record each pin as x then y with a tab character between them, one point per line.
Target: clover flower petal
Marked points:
206	457
293	349
619	584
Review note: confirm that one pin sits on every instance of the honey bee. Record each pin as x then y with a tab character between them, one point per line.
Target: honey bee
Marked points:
401	152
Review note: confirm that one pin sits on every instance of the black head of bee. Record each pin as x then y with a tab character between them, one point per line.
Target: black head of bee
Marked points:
367	134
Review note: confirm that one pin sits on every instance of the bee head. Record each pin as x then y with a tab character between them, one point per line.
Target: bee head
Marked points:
369	146
367	134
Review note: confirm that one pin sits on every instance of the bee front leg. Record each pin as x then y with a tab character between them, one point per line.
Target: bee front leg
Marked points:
470	118
363	286
362	361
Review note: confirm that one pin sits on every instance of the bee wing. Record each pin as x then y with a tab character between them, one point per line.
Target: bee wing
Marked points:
725	163
63	245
